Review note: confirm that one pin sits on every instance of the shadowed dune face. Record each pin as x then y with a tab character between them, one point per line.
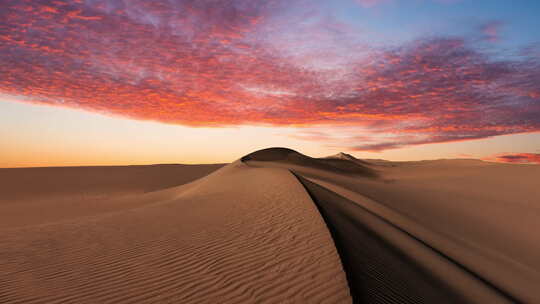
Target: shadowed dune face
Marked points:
387	264
461	213
285	155
273	154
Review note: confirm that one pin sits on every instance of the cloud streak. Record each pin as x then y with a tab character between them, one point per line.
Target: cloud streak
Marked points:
238	62
521	158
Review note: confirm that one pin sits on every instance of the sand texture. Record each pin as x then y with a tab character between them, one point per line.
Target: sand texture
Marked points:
239	235
273	227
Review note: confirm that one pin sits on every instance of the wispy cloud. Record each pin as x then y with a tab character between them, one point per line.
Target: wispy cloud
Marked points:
491	30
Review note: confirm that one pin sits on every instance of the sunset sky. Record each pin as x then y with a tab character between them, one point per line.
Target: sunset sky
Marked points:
102	82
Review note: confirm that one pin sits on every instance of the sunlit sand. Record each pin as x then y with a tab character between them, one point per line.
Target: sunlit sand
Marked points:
273	227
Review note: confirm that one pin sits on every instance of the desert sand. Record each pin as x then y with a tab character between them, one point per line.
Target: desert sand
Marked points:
275	226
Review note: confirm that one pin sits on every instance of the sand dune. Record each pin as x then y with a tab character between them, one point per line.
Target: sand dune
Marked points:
276	226
386	263
333	164
478	216
30	196
29	183
239	235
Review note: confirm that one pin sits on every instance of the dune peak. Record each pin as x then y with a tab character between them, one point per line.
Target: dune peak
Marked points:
347	164
342	155
272	154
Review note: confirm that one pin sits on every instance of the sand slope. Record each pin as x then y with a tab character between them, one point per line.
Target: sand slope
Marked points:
239	235
274	227
30	196
478	218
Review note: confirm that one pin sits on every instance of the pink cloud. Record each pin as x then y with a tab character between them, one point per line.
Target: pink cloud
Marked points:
196	63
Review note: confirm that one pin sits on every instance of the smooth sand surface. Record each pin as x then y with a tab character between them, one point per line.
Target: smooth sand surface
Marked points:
30	196
239	235
274	227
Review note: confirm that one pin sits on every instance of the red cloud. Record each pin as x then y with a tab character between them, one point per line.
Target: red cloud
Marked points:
208	63
523	158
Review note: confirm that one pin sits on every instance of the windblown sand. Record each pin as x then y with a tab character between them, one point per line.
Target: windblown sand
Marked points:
274	227
239	235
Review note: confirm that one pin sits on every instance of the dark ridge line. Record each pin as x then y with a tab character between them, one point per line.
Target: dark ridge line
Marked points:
357	292
342	251
289	156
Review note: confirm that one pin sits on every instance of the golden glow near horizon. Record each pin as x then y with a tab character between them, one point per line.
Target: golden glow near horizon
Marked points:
37	135
208	81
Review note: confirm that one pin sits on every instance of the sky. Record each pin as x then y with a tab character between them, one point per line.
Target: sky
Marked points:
115	82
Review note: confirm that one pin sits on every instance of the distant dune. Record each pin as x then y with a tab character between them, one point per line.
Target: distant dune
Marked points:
39	195
339	164
275	226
